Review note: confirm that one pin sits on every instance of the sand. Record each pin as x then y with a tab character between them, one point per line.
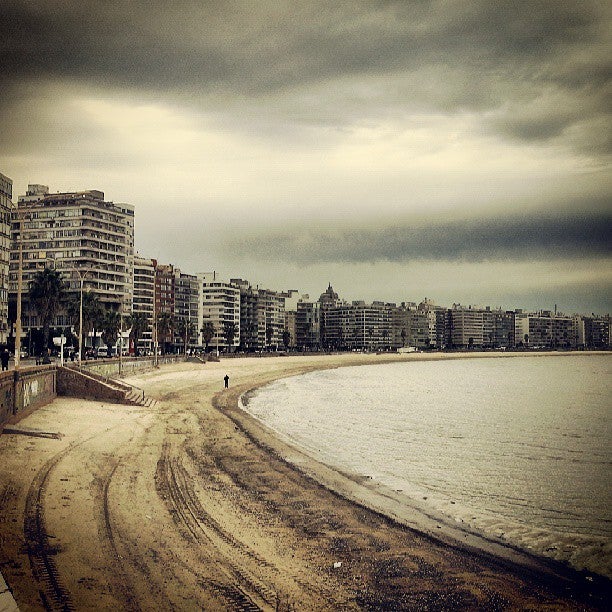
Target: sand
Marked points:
191	504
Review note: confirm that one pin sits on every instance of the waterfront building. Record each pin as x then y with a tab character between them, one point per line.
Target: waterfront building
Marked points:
262	316
144	299
411	326
186	307
597	332
308	324
164	288
6	205
466	327
80	235
545	330
219	303
358	326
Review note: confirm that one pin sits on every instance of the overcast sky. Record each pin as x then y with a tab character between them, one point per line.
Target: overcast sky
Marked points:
458	150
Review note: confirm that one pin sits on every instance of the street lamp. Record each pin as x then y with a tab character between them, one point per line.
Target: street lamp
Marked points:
20	220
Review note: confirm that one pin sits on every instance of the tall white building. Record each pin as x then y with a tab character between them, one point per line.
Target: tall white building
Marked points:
76	233
220	305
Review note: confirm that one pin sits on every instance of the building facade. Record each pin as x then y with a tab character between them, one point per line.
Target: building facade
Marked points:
6	205
144	300
219	304
80	235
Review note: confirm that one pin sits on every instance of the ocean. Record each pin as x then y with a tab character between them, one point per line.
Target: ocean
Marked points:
515	449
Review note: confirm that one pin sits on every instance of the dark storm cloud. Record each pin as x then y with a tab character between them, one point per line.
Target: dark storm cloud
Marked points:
495	239
477	55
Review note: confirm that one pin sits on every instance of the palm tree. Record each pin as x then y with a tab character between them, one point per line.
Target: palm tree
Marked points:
165	325
110	325
229	333
269	333
46	293
286	338
139	324
185	329
92	313
208	333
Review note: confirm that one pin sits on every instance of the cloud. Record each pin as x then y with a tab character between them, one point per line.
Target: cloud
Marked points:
315	61
493	239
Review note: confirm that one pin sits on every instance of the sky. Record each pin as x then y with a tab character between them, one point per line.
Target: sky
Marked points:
452	149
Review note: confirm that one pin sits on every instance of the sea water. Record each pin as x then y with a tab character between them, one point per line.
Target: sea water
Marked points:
517	449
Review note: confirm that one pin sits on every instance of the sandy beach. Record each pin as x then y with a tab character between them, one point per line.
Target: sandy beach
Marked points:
191	504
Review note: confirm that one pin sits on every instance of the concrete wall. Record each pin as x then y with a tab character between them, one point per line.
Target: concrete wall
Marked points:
74	383
110	367
23	391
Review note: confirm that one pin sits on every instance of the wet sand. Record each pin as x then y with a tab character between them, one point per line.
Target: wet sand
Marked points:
191	504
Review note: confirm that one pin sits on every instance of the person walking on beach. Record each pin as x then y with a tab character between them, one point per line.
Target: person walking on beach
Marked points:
226	380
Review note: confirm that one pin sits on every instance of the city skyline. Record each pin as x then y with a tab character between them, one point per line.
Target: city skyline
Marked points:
397	150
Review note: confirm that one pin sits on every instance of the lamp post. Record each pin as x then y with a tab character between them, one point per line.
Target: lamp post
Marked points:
20	219
19	290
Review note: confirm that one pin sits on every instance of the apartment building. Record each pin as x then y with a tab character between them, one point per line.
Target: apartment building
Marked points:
6	205
186	306
411	326
78	234
144	299
466	327
219	304
308	325
262	316
358	326
545	330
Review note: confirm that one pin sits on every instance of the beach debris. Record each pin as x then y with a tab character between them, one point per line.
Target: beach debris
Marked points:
337	564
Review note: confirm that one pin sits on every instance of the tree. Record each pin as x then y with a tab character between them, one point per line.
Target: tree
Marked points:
139	324
269	333
110	326
185	329
165	325
92	312
208	333
403	335
229	333
46	293
286	338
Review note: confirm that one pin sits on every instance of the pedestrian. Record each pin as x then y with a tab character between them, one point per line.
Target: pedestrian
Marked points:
5	359
226	379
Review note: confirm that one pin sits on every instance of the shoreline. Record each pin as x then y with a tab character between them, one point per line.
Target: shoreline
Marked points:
402	509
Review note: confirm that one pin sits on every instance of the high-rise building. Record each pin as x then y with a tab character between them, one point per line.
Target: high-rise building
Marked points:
186	308
80	235
220	305
262	316
144	299
6	204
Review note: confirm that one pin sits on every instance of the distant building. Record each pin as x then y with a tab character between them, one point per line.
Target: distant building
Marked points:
219	304
545	330
262	317
308	325
186	308
144	298
466	327
6	205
